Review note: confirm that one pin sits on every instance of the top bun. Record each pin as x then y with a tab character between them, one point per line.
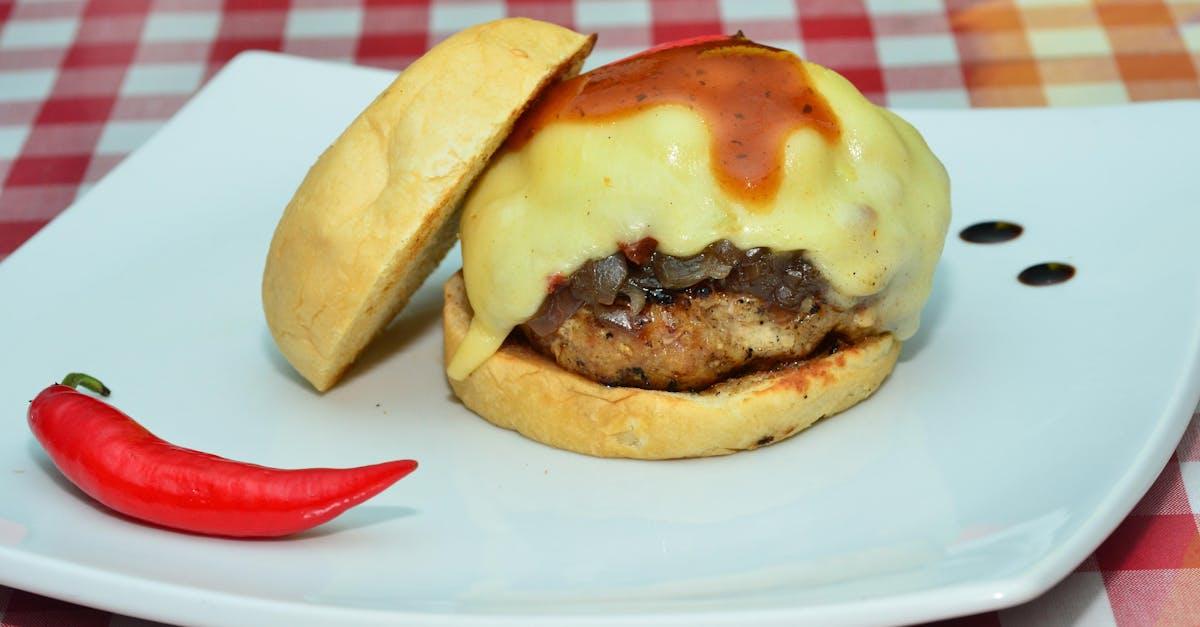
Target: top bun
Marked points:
378	210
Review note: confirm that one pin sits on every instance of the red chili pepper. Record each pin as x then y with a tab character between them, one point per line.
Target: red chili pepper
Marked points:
119	463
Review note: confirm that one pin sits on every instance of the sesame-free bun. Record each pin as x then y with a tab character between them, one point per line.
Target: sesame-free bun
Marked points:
378	210
517	388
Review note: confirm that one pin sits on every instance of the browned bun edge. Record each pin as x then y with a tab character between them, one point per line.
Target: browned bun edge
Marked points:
517	388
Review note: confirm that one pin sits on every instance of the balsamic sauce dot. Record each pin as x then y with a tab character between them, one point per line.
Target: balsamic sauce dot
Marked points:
1048	273
992	232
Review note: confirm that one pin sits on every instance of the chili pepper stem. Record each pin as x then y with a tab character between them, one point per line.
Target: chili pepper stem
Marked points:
77	379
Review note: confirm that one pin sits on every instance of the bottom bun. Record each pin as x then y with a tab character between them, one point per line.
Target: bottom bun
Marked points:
517	388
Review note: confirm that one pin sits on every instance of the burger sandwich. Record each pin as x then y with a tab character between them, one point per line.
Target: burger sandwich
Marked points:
697	250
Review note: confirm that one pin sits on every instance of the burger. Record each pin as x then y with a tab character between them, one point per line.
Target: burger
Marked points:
697	250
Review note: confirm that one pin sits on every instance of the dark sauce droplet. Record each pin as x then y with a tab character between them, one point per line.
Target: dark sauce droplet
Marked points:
1047	273
991	232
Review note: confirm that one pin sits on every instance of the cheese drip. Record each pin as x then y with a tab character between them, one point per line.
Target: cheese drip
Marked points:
870	206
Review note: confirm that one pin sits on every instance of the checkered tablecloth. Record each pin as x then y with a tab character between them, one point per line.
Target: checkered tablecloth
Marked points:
84	83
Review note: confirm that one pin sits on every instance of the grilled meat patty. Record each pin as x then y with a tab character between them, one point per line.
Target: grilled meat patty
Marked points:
641	318
699	339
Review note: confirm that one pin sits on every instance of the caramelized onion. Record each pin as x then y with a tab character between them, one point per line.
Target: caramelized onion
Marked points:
713	267
676	273
616	316
599	280
724	251
555	310
785	279
636	296
642	277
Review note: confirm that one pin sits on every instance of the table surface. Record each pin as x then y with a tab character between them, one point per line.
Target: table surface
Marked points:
84	83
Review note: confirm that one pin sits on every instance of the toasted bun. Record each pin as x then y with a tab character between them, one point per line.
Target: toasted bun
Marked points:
377	211
519	389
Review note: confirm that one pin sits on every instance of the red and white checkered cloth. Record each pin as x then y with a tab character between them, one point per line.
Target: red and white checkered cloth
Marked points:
84	83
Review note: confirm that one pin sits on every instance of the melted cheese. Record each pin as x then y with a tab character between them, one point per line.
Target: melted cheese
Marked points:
871	209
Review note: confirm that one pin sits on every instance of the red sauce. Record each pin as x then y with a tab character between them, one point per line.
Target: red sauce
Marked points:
750	96
555	281
639	252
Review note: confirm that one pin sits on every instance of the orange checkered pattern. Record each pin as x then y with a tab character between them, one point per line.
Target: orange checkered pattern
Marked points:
1078	53
82	84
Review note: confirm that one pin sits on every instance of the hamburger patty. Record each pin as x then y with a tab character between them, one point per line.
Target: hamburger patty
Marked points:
691	340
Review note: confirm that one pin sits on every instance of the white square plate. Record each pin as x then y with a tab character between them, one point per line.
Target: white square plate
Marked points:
1021	425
